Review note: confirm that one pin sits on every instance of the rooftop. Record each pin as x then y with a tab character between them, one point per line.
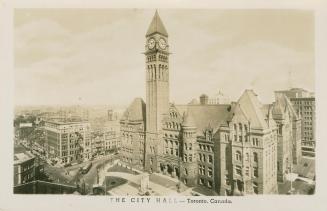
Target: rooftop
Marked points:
22	157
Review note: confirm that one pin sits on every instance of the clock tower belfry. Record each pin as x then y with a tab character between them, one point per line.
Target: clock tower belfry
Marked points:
157	86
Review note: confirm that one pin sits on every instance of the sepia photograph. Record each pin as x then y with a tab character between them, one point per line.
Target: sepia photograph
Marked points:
164	102
163	105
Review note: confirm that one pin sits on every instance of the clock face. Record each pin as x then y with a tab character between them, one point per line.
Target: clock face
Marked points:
162	43
151	43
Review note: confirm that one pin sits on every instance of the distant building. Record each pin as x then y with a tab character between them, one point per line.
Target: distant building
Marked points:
219	98
304	105
24	168
24	125
68	141
204	99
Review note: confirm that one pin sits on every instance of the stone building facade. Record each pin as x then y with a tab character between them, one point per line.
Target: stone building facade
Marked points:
227	148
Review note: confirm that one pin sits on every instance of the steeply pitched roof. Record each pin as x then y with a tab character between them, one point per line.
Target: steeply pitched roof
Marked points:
251	107
283	104
156	26
135	111
206	115
188	120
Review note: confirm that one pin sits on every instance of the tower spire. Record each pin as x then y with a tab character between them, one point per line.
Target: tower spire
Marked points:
156	26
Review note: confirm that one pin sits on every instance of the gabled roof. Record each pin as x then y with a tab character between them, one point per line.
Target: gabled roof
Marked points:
135	111
156	26
205	116
283	104
251	107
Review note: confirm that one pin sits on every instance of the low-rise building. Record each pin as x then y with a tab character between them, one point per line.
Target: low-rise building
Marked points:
24	167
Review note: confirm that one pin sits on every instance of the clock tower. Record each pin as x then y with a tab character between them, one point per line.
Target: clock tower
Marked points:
157	87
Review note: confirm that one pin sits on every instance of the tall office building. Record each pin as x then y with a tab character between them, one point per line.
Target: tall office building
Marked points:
304	104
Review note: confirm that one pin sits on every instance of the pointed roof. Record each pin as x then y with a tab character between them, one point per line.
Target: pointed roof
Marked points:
251	106
156	26
282	105
135	111
188	120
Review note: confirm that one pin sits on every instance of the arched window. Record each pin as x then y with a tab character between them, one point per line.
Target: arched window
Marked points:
238	156
240	127
235	127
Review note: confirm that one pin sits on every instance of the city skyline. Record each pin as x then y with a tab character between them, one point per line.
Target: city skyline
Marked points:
206	147
60	61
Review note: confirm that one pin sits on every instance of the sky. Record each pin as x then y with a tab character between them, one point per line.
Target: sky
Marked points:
94	56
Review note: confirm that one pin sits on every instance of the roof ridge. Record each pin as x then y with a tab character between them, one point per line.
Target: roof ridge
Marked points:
256	110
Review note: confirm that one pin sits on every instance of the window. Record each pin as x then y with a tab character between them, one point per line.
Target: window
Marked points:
190	158
190	146
255	187
210	171
200	157
185	171
255	157
209	184
201	181
201	170
185	157
238	156
210	160
255	172
238	170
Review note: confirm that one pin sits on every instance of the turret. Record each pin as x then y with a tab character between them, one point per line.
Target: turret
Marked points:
189	168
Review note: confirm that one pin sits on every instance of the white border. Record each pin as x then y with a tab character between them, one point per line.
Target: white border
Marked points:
8	201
